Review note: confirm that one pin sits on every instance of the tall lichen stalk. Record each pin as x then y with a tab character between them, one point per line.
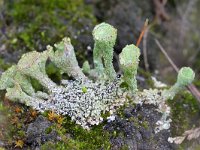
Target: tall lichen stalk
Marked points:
92	91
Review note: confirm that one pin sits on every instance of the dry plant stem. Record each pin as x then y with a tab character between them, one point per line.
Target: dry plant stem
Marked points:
142	33
166	55
146	64
190	87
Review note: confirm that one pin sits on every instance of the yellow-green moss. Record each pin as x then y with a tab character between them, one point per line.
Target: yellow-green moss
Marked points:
79	138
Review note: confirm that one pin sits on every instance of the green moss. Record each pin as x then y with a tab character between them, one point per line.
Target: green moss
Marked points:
105	115
197	83
96	138
4	65
2	108
21	134
48	130
135	121
145	124
78	138
185	112
7	130
33	24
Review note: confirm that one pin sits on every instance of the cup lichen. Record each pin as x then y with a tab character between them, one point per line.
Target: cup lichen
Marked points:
185	77
104	36
83	99
129	60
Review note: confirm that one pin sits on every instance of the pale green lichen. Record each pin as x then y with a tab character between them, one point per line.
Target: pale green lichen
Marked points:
104	36
129	60
185	77
17	94
33	64
7	78
86	67
83	99
64	58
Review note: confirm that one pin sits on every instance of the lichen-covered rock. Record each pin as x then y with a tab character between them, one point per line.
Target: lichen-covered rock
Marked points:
83	99
135	129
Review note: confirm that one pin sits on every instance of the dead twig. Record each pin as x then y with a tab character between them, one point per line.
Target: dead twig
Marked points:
142	32
146	64
190	87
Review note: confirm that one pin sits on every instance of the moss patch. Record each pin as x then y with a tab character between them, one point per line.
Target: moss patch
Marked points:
33	24
75	137
185	113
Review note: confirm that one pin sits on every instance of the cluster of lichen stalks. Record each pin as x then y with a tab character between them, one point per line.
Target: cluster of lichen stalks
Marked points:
85	98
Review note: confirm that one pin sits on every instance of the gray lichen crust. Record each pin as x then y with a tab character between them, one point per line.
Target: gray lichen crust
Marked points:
83	99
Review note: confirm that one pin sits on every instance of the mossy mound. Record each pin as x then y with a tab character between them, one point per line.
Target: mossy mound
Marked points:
132	128
30	24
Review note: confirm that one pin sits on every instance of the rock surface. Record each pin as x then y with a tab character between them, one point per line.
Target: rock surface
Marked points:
37	132
136	130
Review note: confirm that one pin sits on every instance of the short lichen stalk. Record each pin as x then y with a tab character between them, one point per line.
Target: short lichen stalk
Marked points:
104	36
85	98
64	58
18	95
33	64
129	60
185	77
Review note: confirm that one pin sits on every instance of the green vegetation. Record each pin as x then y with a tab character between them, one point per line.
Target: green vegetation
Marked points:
185	111
33	24
78	138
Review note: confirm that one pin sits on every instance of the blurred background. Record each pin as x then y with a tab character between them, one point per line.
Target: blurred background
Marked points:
27	25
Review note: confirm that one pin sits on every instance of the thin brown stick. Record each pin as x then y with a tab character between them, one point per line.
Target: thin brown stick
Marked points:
142	32
190	87
146	64
167	56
